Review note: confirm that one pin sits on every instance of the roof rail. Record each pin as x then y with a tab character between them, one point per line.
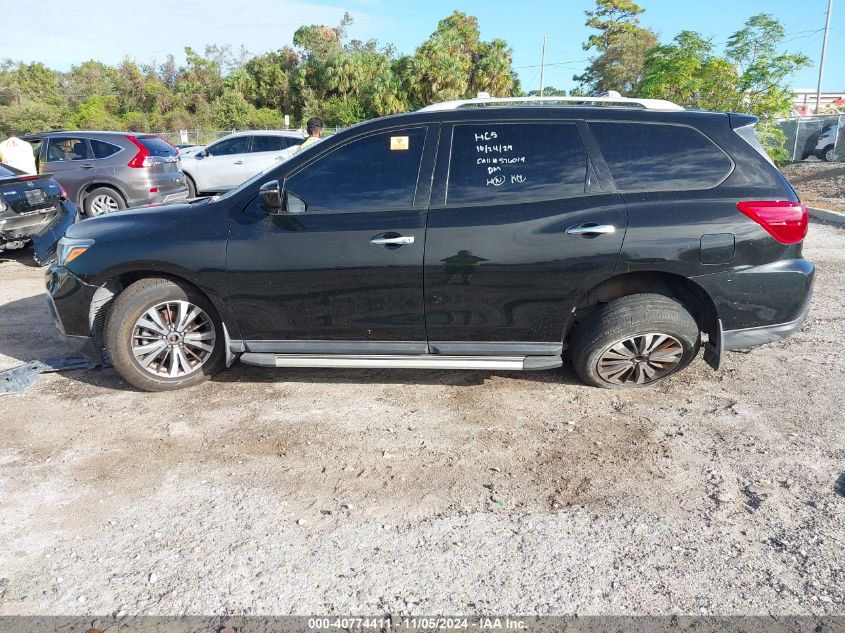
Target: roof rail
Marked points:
619	102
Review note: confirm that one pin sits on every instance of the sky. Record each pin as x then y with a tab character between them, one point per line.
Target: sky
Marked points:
66	32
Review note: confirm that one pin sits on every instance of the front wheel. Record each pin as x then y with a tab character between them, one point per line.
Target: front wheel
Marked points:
829	154
634	341
161	335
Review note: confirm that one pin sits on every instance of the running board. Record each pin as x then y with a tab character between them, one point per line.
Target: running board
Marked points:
407	361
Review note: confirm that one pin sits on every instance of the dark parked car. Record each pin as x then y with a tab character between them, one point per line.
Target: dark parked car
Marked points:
107	171
461	236
32	208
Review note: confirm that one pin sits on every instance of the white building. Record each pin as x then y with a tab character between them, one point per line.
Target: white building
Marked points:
804	102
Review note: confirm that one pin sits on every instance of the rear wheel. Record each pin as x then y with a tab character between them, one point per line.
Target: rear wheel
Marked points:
634	341
102	200
192	186
161	335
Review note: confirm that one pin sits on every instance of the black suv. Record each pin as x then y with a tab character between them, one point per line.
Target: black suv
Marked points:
460	236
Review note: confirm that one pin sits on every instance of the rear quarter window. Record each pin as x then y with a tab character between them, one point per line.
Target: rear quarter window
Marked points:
658	157
102	149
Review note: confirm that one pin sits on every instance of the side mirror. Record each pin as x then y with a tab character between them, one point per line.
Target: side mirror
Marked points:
271	196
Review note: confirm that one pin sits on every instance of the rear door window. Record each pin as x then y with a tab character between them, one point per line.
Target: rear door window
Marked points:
660	157
157	146
102	149
69	149
515	162
268	143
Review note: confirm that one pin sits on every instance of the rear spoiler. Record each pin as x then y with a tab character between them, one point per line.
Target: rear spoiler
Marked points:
742	120
743	125
24	178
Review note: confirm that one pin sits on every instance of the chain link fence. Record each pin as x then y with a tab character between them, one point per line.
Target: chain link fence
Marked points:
821	137
206	137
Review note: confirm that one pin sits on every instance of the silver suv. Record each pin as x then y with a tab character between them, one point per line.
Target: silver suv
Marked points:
107	171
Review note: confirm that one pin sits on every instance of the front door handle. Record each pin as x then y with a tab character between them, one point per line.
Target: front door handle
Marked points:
239	162
591	229
87	166
392	241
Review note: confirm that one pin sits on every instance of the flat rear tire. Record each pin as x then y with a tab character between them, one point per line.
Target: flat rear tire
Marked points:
635	341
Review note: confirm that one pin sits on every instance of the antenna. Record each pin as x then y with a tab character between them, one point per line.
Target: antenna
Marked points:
543	64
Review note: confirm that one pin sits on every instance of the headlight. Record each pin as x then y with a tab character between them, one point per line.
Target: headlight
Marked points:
69	249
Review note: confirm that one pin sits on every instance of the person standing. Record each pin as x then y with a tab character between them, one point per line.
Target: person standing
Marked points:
315	132
18	154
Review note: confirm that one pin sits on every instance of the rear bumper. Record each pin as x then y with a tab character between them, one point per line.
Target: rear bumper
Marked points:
161	197
758	298
753	336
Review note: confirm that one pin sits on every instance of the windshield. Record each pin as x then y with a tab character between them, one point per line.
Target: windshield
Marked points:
263	174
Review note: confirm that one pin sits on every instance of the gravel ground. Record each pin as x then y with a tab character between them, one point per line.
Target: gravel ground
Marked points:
303	491
819	184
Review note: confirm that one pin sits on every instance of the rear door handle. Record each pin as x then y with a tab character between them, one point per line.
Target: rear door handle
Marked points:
591	228
397	241
239	162
87	166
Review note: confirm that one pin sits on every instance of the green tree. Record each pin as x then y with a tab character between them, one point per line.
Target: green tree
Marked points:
765	69
231	111
690	74
621	46
98	112
752	77
548	91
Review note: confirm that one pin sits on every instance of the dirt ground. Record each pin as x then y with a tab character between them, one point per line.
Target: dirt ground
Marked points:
819	184
337	491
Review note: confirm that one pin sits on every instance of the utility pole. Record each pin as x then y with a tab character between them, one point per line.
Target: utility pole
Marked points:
543	63
824	50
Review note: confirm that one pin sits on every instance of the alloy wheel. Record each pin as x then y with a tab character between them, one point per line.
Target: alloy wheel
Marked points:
103	204
640	359
173	339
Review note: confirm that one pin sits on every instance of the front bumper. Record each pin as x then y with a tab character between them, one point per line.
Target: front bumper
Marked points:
69	301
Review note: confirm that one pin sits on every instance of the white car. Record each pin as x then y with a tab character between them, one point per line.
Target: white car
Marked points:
230	161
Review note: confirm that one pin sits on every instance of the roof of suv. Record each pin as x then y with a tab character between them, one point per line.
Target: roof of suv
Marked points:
550	112
287	133
88	132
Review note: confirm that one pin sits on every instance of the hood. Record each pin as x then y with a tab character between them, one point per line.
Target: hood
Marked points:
135	217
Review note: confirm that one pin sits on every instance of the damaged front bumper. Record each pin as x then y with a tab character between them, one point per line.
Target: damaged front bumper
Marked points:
70	302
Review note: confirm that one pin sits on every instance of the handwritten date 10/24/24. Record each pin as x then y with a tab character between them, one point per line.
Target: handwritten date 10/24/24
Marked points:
499	179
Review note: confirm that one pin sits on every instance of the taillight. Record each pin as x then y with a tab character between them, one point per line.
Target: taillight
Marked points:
141	158
785	221
62	193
